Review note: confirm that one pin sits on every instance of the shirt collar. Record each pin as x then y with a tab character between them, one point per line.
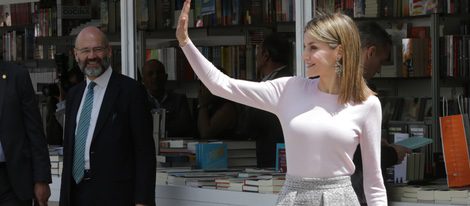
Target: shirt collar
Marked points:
103	80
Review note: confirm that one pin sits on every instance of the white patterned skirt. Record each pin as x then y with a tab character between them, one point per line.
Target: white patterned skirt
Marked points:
335	191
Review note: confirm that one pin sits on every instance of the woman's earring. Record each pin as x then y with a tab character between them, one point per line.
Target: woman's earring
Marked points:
338	67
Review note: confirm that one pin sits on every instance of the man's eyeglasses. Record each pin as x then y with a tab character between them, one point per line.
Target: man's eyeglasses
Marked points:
96	50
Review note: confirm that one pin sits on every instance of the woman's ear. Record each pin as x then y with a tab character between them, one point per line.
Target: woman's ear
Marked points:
339	50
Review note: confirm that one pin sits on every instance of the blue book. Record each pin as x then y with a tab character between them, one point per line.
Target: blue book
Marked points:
281	161
414	142
211	156
207	7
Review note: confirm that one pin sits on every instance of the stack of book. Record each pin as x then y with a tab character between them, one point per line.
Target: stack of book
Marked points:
177	153
230	183
435	194
241	153
247	180
56	157
198	178
264	184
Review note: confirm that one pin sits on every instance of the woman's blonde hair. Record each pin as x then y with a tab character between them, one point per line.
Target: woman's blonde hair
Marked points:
338	29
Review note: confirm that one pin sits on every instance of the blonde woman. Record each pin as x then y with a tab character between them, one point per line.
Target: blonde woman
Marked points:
323	119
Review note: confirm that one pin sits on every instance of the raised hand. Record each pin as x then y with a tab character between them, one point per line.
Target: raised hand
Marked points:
182	28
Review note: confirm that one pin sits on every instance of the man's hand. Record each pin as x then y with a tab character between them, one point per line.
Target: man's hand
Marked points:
139	205
42	192
401	152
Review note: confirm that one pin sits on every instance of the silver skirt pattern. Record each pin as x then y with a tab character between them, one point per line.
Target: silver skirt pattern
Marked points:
336	191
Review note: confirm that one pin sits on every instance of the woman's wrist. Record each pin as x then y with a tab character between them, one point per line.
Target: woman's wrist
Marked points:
184	42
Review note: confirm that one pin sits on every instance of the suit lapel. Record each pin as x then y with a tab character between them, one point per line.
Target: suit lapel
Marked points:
109	100
75	105
3	85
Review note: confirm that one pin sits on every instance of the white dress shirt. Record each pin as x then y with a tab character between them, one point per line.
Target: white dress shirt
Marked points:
98	95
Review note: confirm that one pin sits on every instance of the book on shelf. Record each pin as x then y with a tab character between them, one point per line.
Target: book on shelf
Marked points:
255	172
414	142
104	15
230	183
396	127
270	189
259	181
142	19
400	170
176	142
239	144
416	59
211	156
202	183
242	153
455	148
281	160
205	13
176	160
241	162
432	193
249	188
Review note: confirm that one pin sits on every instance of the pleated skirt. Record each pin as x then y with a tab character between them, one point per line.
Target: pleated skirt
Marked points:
336	191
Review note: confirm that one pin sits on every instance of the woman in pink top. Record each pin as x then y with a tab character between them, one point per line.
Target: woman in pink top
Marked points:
323	119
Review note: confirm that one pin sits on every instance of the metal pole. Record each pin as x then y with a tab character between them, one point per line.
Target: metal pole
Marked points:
128	30
304	14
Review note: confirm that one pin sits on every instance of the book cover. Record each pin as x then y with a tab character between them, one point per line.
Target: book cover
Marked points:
207	7
400	170
414	142
455	149
211	156
281	161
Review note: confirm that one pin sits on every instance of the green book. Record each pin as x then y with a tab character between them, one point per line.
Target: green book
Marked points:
414	142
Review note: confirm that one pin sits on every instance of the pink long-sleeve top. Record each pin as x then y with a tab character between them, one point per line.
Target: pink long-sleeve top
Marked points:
320	134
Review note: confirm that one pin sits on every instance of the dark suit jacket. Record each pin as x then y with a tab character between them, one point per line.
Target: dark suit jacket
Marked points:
122	152
388	158
179	122
21	132
266	129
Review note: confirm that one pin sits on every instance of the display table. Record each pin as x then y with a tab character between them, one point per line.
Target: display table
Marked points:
170	195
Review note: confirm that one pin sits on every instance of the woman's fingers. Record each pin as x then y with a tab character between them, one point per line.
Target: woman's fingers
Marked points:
182	28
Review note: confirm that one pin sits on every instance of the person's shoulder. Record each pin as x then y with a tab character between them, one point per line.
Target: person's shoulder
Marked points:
284	72
372	101
13	69
127	81
76	87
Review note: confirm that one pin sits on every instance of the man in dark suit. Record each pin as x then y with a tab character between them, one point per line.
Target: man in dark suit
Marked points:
272	58
109	153
24	158
376	45
179	122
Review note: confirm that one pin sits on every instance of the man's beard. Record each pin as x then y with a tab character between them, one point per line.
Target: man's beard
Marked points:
95	72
